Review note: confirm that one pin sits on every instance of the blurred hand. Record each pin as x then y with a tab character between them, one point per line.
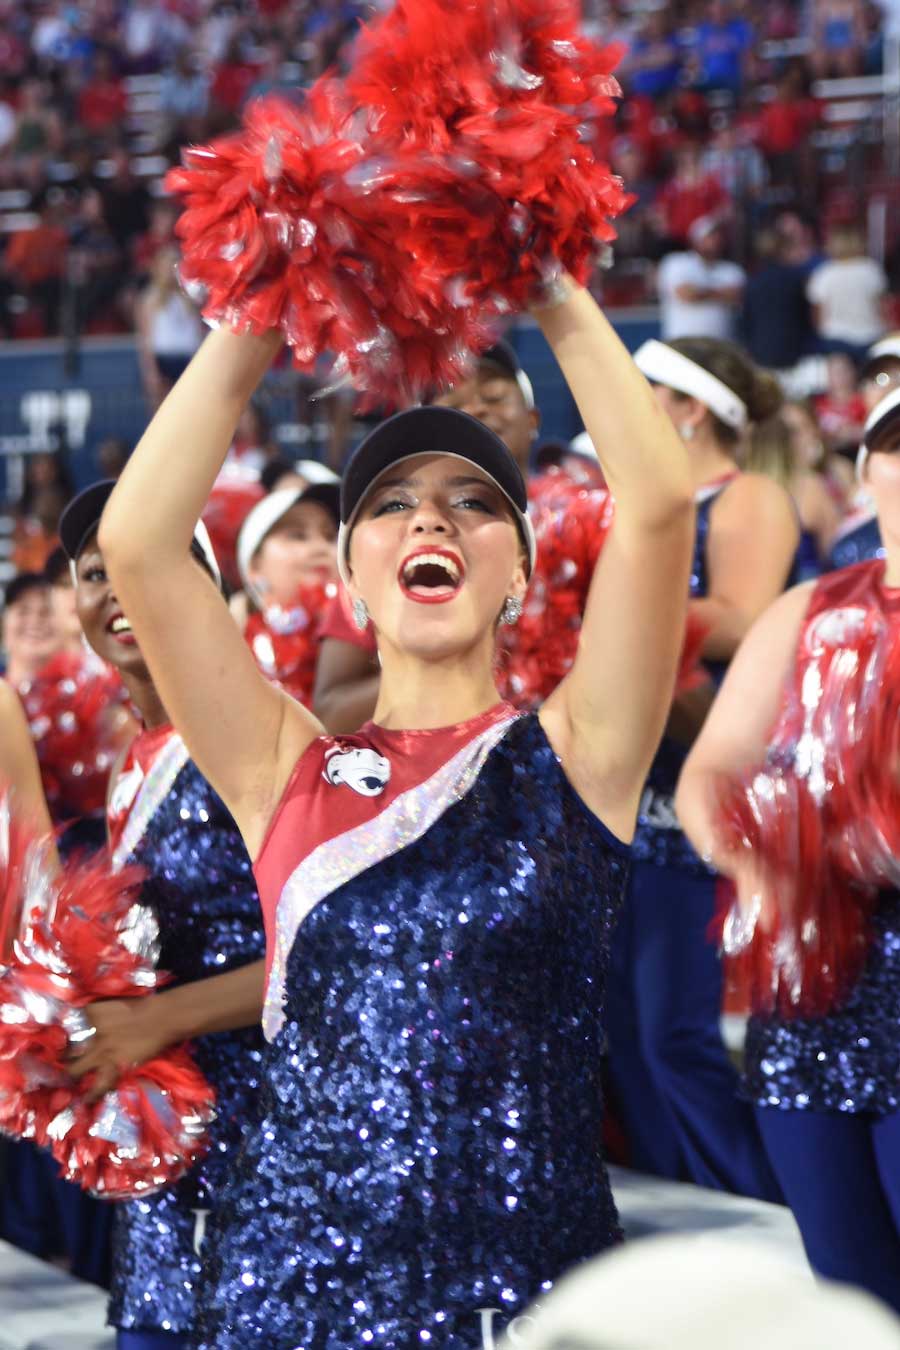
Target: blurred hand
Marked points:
128	1032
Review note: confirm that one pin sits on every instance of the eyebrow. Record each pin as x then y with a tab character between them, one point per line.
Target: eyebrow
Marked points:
459	481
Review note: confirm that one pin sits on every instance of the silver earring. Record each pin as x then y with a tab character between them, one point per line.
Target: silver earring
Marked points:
686	431
511	612
360	614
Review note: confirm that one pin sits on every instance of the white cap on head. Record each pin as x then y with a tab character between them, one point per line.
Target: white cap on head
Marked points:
584	446
266	514
703	227
885	413
662	364
886	347
315	472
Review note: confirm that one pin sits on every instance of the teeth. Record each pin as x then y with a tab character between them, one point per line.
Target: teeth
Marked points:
121	625
432	560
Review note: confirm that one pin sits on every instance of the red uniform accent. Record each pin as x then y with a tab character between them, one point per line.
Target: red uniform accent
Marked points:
289	658
71	705
822	817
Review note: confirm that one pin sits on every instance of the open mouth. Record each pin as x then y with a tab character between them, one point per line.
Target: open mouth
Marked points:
431	576
120	629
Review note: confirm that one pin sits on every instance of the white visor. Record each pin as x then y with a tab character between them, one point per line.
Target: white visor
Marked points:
884	414
662	364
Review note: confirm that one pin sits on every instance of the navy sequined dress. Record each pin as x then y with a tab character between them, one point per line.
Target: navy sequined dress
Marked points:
430	1145
201	886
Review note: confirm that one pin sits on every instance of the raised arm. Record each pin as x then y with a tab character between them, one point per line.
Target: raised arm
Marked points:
736	733
244	735
19	768
607	716
753	536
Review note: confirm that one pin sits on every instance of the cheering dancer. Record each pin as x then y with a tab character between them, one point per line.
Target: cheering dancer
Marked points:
675	1085
439	889
163	815
800	703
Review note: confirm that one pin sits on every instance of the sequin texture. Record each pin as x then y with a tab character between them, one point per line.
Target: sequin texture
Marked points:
201	886
848	1060
432	1108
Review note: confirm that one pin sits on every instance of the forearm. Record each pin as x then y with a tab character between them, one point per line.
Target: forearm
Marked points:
695	806
166	483
221	1003
644	462
726	626
343	708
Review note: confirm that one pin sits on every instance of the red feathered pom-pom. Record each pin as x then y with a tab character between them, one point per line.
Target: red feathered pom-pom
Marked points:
455	173
692	674
82	936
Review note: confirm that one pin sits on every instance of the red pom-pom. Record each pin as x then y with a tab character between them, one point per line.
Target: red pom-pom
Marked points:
82	936
692	674
455	172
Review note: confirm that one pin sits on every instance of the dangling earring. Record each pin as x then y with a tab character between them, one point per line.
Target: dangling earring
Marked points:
360	614
511	612
686	431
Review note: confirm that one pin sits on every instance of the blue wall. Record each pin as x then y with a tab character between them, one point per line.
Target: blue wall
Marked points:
101	396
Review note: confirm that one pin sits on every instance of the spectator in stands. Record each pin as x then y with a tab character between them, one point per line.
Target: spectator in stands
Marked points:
841	410
34	261
31	633
159	235
112	456
734	162
653	64
690	194
48	489
150	32
169	329
183	92
838	37
102	102
771	450
232	79
813	454
722	44
775	322
801	242
848	294
271	77
126	200
700	291
95	263
784	128
38	126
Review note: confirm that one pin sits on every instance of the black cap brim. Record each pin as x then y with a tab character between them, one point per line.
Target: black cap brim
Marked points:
80	521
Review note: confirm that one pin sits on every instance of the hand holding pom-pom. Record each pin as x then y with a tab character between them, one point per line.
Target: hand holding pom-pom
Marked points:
83	936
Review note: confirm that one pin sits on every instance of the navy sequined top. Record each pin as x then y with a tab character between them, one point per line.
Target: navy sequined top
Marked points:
857	545
429	1154
201	886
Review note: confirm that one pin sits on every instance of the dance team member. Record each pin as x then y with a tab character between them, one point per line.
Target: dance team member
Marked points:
287	559
163	815
439	889
674	1083
825	1085
570	519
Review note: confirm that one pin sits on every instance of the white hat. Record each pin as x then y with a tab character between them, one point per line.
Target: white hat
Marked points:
266	514
584	446
708	1293
314	472
662	364
886	347
883	415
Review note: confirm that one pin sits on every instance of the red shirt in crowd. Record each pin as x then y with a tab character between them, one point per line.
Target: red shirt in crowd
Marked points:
681	204
102	104
784	125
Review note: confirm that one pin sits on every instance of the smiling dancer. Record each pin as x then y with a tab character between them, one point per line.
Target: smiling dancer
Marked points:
800	707
163	815
439	890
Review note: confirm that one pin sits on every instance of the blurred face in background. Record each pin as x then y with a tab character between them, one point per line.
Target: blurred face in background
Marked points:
806	437
31	632
300	550
494	397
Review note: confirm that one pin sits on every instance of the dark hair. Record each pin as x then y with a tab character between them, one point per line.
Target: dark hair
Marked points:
275	468
758	388
22	584
56	568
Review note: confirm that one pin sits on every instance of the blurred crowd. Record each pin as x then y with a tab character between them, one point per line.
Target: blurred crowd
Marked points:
719	126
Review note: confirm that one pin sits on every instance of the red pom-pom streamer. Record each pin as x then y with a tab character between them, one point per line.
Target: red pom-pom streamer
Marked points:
816	830
455	173
83	937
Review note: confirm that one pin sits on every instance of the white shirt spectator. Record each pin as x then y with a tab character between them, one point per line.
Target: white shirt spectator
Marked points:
707	317
848	296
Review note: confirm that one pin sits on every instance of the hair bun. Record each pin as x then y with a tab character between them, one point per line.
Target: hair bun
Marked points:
766	396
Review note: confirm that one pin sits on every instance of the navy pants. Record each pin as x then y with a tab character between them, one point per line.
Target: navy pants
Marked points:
150	1340
49	1217
841	1177
671	1077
